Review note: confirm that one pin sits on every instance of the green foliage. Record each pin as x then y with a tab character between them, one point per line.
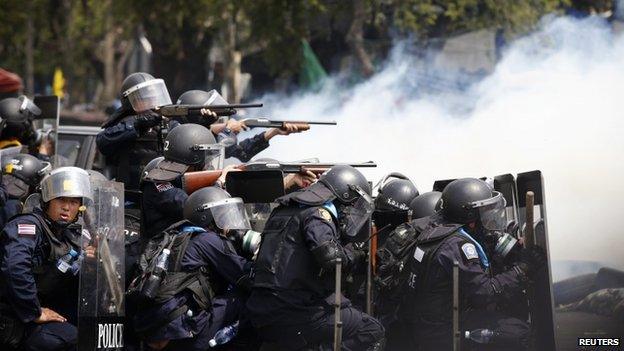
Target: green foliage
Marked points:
433	18
71	33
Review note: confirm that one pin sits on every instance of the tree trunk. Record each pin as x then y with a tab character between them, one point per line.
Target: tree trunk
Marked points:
30	60
355	38
232	62
108	58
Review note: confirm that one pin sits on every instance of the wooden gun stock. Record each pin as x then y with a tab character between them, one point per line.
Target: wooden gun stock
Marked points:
194	181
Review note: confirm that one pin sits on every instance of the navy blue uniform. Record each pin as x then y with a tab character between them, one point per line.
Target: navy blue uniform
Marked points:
11	208
128	149
292	299
31	281
193	329
247	148
163	204
427	307
3	192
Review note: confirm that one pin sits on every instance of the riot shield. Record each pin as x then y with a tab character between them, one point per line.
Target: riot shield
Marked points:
47	123
540	292
102	286
262	186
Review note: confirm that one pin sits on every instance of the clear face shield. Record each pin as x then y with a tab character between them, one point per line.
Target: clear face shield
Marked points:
355	215
492	212
148	95
228	214
29	106
213	155
214	98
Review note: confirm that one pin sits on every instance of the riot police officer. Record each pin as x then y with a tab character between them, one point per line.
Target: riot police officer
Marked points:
16	126
195	301
293	291
188	147
130	138
245	149
392	258
395	193
21	175
470	209
38	265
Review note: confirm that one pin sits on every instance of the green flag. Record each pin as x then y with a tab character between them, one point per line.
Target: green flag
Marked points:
312	73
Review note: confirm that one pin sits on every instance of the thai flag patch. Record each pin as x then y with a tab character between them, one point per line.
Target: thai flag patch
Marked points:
163	187
26	229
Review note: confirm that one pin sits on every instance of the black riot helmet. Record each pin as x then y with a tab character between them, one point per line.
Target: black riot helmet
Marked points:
470	200
395	192
212	207
22	173
353	200
16	114
144	92
425	204
201	97
346	183
192	145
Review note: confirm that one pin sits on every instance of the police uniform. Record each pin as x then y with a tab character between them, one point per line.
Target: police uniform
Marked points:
192	316
247	148
293	293
163	202
30	246
427	306
127	148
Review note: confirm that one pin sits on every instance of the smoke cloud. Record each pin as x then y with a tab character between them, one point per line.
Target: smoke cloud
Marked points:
553	103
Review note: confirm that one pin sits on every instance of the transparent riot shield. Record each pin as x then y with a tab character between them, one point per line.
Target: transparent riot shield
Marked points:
47	124
101	307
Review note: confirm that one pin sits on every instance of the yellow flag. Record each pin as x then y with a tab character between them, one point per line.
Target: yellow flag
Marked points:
58	83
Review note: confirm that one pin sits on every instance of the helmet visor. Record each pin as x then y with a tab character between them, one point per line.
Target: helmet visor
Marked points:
214	98
29	106
229	214
355	215
492	212
213	155
148	95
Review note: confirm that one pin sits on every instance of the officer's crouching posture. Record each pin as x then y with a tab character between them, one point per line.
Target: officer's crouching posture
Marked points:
204	275
39	279
470	211
291	303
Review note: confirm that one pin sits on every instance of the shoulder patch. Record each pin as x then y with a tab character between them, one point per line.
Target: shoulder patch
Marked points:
470	251
419	254
26	229
325	214
164	186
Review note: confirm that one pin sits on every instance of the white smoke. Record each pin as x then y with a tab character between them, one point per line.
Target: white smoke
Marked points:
553	103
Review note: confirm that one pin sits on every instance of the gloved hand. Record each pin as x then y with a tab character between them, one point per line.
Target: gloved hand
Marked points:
146	120
532	260
357	254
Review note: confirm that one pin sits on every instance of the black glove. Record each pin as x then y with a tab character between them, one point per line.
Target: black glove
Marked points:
146	120
532	260
357	254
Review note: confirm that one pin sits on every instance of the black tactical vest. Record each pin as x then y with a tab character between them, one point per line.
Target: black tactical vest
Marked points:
284	262
198	282
134	157
430	298
48	278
